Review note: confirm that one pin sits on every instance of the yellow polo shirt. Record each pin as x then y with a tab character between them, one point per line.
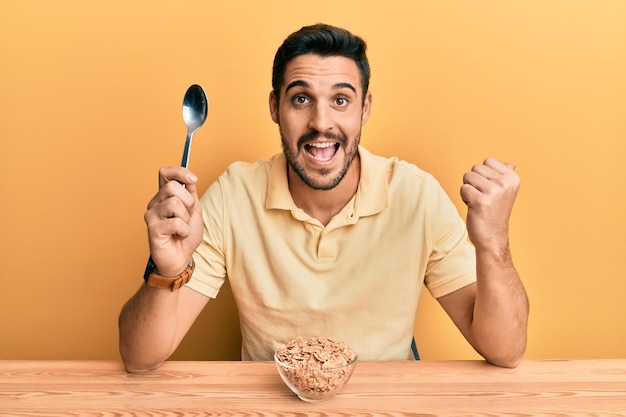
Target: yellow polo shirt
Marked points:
357	280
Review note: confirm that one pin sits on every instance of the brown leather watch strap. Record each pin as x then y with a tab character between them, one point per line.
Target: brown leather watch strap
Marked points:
171	283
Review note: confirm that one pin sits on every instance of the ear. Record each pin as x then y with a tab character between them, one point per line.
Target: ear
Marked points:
273	102
367	108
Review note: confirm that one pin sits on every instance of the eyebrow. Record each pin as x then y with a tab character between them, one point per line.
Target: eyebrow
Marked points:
301	83
297	83
344	85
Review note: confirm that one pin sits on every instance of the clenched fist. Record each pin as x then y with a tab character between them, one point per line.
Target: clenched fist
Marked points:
489	191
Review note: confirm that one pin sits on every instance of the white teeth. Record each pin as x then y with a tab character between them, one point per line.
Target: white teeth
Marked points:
322	145
320	159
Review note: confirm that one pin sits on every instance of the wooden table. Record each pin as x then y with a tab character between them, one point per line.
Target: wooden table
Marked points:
81	388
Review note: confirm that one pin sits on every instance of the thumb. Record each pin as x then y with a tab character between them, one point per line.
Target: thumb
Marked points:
190	182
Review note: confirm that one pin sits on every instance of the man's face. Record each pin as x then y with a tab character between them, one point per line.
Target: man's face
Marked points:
320	113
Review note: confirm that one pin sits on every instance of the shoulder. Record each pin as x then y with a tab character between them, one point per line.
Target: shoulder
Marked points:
392	164
240	178
241	170
255	174
397	173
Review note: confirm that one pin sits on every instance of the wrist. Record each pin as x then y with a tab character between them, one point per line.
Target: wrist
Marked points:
153	278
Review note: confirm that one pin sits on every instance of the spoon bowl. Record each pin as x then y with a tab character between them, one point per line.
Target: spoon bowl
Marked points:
195	110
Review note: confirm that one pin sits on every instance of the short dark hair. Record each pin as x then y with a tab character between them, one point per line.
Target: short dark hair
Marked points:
323	40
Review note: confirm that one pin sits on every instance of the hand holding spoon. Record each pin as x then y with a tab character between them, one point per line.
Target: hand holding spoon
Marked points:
195	109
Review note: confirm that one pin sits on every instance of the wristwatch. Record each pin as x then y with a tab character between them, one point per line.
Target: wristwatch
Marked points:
169	283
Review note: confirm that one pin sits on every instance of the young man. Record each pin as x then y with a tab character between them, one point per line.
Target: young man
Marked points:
326	238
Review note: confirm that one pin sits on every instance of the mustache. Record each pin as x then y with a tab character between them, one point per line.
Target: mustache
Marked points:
316	135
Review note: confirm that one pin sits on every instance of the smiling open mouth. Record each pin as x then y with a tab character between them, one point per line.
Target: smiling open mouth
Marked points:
322	151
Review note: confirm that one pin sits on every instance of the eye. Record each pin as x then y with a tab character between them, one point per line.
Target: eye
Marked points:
341	101
300	99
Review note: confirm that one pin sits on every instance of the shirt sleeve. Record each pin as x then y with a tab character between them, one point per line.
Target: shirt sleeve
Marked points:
452	261
210	272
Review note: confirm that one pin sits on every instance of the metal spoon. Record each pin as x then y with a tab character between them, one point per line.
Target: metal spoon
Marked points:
195	109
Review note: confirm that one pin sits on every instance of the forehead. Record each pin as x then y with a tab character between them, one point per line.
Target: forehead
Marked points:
320	72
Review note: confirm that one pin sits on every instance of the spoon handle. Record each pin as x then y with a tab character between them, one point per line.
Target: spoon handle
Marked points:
185	162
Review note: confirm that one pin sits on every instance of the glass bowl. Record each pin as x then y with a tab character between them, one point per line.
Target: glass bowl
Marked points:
315	385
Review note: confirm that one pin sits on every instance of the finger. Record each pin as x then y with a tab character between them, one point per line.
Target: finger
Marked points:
469	194
167	220
192	192
485	171
507	177
174	189
176	173
172	207
174	226
498	166
476	180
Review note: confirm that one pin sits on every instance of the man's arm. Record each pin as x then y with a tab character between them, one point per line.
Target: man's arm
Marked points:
153	322
492	314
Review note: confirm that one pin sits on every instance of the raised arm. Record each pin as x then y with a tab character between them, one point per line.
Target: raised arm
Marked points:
154	321
492	314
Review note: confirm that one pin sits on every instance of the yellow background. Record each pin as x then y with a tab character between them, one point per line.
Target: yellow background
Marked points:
90	108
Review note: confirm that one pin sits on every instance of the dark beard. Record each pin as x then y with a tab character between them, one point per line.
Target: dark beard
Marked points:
291	156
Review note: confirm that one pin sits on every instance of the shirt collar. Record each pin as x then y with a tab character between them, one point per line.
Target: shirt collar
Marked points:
371	196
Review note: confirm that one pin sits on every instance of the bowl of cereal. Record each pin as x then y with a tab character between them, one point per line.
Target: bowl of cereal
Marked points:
315	369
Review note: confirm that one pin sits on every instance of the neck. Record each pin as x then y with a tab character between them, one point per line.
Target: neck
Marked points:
323	205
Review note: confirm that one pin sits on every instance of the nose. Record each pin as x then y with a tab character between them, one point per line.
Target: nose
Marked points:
321	118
